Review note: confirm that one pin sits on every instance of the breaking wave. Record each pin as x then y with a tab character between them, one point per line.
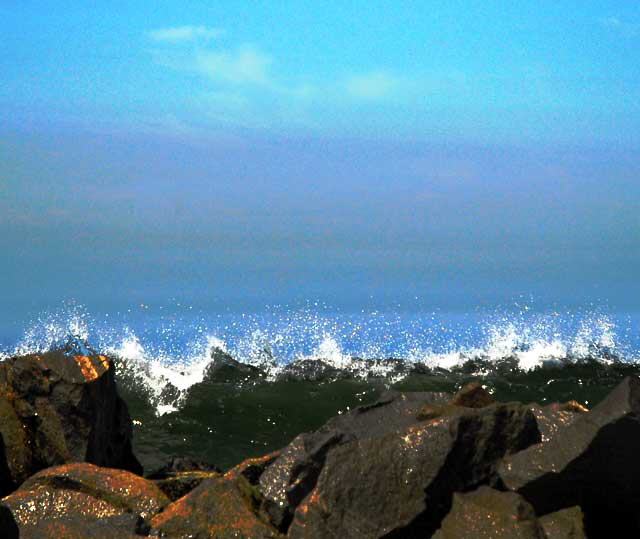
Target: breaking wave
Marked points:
168	353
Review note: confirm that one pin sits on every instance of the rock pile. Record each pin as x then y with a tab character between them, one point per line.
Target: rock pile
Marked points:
411	465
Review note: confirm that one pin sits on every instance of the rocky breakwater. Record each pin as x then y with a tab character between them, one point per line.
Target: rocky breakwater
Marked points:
411	465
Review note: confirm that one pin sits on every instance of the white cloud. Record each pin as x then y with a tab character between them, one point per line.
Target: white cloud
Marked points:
179	34
372	85
244	65
625	28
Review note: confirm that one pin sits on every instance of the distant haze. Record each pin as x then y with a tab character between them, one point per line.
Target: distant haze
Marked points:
463	155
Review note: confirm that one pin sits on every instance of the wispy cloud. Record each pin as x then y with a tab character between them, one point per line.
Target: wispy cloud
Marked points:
246	65
372	85
620	26
178	34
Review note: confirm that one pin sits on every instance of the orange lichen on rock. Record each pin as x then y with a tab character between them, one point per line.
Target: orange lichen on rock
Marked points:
89	370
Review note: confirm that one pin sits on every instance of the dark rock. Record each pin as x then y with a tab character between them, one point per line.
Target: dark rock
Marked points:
82	500
554	417
221	508
293	475
487	513
400	484
473	395
564	524
311	370
56	409
118	487
253	468
225	369
181	475
592	462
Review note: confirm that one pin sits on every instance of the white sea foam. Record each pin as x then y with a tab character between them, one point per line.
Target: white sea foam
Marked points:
163	357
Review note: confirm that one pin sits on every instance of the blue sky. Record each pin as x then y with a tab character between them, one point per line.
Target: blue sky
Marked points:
456	71
298	149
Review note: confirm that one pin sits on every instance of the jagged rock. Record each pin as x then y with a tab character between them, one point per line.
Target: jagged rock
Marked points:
592	462
564	524
83	500
225	369
400	484
181	475
252	468
473	395
490	514
56	409
554	417
291	477
219	508
310	370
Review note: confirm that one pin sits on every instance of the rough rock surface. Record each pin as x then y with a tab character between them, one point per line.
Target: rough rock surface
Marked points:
293	475
83	500
564	524
400	484
225	369
219	508
56	408
592	462
181	475
487	513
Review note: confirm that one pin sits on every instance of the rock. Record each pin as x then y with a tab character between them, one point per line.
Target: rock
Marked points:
293	475
564	524
310	370
253	468
473	395
181	475
83	500
554	417
490	514
118	487
400	485
592	462
219	508
225	369
56	409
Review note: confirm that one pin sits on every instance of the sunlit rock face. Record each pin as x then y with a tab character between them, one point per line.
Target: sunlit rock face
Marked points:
83	500
57	408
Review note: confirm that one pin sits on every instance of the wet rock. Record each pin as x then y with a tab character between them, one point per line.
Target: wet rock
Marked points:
564	524
592	462
554	417
293	475
310	370
400	484
55	409
118	487
219	508
82	500
181	475
473	395
253	468
487	513
225	369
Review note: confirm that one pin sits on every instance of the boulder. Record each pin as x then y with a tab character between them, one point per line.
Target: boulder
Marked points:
82	500
490	514
591	462
293	475
564	524
218	508
400	484
225	369
57	408
181	475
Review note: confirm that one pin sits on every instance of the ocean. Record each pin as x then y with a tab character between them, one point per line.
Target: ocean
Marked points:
521	351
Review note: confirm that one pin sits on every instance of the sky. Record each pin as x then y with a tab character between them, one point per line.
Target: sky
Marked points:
251	152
